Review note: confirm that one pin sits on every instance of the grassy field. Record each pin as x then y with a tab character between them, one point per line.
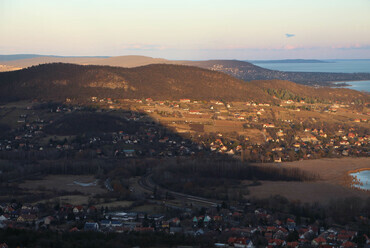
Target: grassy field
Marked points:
150	209
67	199
333	182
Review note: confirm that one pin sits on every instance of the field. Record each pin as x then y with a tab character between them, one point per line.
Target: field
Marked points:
64	183
333	182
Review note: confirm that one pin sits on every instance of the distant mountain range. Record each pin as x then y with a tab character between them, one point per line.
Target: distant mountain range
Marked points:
12	57
240	69
59	81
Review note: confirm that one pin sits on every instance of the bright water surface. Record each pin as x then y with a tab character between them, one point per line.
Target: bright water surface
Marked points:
364	178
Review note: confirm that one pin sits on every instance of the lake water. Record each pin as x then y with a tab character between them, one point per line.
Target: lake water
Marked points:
358	85
364	178
345	66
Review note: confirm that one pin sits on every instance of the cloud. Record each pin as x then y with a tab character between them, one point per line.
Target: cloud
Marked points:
289	35
292	47
141	46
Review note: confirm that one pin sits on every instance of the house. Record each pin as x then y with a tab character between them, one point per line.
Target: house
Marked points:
144	229
3	218
280	133
74	229
48	220
78	209
129	153
294	244
175	221
185	100
276	242
318	241
195	112
240	242
91	226
348	244
344	143
290	224
27	218
351	135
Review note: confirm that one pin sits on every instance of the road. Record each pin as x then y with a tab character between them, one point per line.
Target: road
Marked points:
148	184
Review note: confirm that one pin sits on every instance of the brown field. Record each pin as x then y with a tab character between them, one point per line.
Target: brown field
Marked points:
225	126
150	209
67	199
64	183
334	181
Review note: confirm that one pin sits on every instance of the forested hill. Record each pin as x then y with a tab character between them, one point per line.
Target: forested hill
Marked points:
158	81
247	72
59	81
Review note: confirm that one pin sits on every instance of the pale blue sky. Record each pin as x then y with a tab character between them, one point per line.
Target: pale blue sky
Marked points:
188	29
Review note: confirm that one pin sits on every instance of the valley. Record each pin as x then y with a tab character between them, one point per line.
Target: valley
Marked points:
157	147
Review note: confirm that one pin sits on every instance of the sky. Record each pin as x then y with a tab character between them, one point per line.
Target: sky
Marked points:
188	29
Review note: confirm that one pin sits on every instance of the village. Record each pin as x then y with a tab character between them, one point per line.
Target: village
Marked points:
254	132
226	226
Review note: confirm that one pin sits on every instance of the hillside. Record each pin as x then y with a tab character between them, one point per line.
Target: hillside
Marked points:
157	81
302	91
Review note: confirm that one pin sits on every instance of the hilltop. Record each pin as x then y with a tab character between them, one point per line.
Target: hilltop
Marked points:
157	81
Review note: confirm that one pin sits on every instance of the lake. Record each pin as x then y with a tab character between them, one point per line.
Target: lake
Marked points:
345	66
358	85
364	178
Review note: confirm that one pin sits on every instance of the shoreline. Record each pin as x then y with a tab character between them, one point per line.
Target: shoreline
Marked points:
344	84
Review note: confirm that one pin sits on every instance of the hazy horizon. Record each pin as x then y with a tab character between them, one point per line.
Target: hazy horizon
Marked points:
197	30
33	55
